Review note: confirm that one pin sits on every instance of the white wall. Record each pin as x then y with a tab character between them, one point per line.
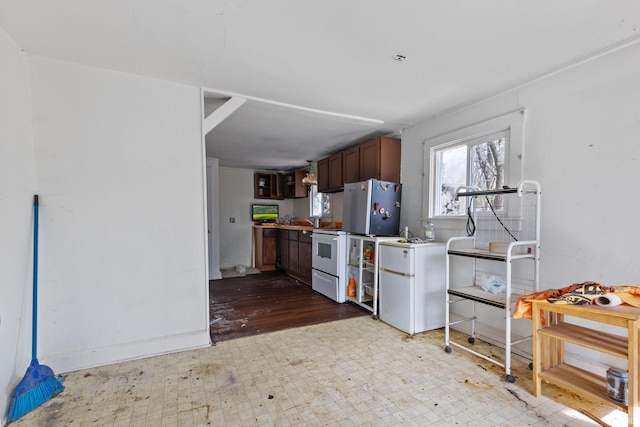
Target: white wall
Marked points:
120	172
16	198
300	208
582	143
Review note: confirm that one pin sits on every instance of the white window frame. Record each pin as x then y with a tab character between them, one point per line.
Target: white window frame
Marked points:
512	123
320	204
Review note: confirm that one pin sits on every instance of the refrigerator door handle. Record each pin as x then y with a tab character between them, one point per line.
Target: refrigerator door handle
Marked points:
396	272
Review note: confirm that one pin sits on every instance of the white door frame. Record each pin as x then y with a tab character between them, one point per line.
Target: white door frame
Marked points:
212	192
213	218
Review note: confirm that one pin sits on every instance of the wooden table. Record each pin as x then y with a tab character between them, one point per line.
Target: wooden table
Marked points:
549	356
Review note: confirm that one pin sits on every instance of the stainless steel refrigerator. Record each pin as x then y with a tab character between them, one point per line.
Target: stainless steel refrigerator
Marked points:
372	207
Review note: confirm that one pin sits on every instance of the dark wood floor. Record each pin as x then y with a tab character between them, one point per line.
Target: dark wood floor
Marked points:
269	301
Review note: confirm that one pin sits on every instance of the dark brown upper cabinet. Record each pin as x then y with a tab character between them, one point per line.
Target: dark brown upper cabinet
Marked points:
330	177
268	186
336	183
323	175
293	186
351	164
380	159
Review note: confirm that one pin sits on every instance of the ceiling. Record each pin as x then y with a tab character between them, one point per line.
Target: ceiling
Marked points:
321	75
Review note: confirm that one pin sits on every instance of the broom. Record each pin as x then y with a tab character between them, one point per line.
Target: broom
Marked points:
39	383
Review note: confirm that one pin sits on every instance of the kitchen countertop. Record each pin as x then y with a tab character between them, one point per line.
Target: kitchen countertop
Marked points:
298	227
408	244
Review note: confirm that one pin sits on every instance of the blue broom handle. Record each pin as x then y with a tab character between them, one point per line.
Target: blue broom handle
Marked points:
34	325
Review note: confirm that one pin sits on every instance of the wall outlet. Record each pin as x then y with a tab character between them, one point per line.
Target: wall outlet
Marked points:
232	220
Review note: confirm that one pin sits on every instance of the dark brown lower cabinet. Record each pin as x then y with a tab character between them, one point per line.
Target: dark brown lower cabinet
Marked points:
266	241
304	257
295	254
283	248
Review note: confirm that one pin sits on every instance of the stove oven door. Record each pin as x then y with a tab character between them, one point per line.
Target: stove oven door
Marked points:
325	253
327	285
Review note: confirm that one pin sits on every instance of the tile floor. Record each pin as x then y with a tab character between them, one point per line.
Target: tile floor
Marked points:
356	372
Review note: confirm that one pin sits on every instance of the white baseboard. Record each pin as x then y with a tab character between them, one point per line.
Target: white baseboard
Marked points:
90	358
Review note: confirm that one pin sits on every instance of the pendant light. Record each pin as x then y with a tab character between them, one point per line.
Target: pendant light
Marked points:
310	178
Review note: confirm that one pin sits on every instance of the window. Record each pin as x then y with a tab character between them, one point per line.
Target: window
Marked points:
319	203
476	163
315	202
486	155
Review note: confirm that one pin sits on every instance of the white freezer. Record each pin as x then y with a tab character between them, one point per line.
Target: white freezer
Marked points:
412	286
398	259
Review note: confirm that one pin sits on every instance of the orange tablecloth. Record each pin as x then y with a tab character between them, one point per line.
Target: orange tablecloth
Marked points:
577	294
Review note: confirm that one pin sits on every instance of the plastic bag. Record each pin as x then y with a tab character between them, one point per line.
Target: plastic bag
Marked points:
493	284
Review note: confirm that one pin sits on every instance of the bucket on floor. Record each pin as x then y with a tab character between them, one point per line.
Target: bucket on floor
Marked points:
617	380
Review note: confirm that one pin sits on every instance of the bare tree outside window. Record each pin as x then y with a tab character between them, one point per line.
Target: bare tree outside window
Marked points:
487	169
478	163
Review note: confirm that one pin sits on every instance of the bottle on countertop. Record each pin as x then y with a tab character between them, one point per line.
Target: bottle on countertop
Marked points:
429	232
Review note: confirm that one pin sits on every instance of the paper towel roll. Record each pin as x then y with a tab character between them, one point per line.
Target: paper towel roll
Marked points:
608	300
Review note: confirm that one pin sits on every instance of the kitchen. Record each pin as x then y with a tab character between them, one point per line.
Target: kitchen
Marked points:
361	259
312	247
580	130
